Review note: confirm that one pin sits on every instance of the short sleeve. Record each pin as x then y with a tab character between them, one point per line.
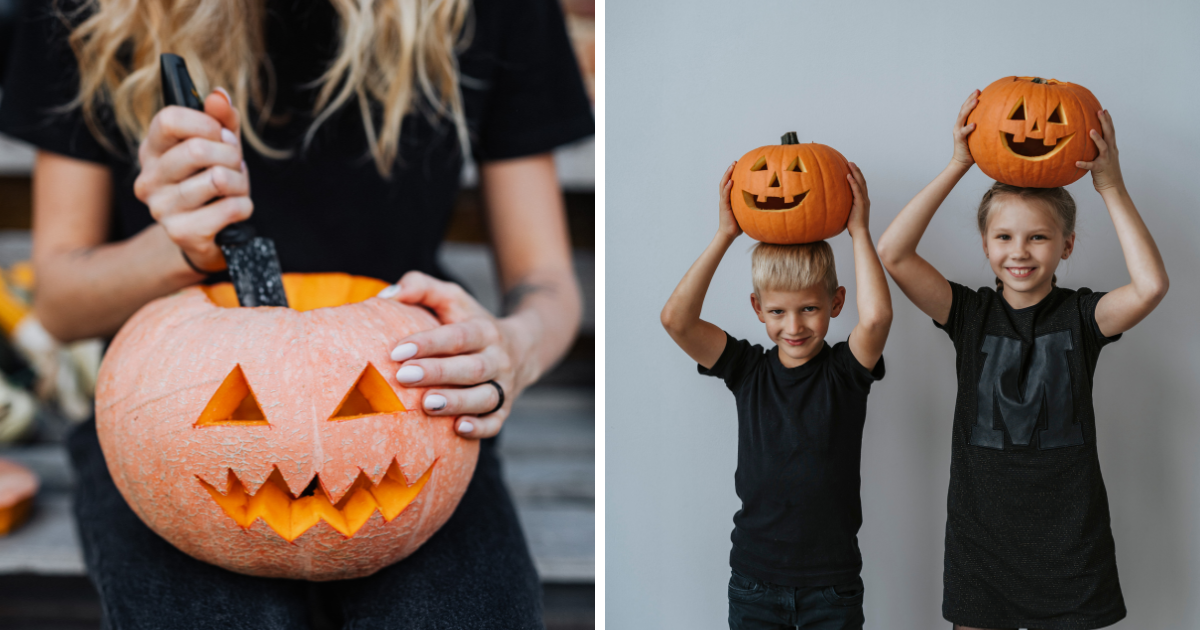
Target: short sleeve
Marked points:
847	365
736	361
41	78
1087	311
537	100
963	307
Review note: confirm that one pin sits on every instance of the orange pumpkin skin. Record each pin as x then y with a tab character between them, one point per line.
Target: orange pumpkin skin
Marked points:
170	364
1029	132
768	179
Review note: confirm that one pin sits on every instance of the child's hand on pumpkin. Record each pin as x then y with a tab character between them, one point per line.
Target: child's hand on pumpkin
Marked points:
962	153
193	178
1106	170
859	221
729	226
461	359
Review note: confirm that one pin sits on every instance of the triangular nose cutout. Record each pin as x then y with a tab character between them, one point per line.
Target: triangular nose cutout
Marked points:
1035	126
370	395
233	403
774	181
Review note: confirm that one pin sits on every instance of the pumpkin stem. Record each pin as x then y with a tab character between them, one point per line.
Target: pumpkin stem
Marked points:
1038	80
790	138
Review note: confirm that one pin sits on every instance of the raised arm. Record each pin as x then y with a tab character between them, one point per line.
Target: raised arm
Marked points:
701	340
919	280
874	299
1123	308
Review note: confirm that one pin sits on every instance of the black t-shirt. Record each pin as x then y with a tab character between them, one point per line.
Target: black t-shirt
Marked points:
1028	541
327	208
799	445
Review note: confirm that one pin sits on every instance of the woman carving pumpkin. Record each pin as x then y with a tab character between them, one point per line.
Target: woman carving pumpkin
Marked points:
338	129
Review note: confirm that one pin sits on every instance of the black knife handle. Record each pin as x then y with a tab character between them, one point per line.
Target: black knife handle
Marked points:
178	89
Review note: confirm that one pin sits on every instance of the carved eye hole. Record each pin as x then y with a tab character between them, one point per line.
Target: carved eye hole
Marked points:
371	395
1058	116
760	165
1018	112
233	403
796	166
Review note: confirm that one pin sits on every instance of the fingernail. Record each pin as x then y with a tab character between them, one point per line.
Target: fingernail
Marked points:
465	427
244	168
390	291
435	402
404	351
222	92
228	138
410	374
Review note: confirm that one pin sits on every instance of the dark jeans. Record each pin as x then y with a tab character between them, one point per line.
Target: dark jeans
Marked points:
757	605
475	572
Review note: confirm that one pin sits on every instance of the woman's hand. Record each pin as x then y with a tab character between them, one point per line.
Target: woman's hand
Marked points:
729	226
458	358
962	152
1106	170
193	177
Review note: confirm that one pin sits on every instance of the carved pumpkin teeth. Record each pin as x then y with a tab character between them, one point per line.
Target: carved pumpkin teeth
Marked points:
773	204
1033	149
291	516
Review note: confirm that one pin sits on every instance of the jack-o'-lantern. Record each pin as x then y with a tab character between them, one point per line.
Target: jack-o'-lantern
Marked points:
791	192
276	441
1030	131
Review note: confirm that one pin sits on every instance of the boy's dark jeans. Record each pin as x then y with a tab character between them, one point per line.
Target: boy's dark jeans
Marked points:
756	605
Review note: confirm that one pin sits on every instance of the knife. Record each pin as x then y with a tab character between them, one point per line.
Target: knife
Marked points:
252	260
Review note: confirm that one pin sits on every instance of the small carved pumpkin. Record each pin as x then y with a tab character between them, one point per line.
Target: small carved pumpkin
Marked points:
276	441
1029	131
791	192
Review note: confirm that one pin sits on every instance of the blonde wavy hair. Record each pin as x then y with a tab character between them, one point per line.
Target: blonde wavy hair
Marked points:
395	57
793	267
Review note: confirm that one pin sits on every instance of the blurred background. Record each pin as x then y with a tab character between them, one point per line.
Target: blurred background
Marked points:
693	85
548	443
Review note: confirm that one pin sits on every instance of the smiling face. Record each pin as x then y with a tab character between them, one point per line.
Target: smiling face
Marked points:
791	193
276	442
797	321
1024	244
1029	131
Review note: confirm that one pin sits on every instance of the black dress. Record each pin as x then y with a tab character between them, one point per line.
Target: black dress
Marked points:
1028	539
327	209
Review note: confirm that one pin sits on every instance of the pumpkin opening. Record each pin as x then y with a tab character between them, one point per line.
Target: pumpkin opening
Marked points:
1034	148
773	204
370	395
233	403
290	516
308	291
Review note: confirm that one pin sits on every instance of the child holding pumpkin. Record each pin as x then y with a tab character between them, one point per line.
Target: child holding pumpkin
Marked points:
1028	541
801	407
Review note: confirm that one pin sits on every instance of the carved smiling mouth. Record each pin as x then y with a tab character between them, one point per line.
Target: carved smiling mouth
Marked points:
290	516
773	204
1034	149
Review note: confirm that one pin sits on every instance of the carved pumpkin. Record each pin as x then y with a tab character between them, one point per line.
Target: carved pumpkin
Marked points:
1029	131
276	441
791	192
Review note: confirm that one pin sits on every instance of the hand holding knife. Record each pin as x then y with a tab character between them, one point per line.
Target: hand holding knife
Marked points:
253	264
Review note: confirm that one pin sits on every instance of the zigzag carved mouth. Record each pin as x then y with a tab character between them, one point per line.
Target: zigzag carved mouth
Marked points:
1034	149
291	516
773	204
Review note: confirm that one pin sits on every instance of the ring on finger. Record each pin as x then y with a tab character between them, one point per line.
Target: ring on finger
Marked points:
500	391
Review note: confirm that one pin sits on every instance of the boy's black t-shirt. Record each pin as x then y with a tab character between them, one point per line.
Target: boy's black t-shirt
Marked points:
799	445
1028	541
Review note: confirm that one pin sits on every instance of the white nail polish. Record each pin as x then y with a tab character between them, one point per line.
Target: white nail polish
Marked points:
410	374
404	351
390	291
435	402
228	98
228	138
465	427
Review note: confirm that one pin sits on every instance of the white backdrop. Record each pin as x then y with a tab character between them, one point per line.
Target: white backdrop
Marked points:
692	85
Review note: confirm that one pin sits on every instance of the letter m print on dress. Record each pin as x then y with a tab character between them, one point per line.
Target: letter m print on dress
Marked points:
1048	384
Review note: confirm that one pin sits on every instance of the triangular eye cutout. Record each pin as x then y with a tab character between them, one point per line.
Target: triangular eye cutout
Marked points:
1057	116
774	181
370	395
796	166
760	165
1019	112
234	403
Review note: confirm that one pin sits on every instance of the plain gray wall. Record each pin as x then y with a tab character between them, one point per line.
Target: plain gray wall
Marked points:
691	86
